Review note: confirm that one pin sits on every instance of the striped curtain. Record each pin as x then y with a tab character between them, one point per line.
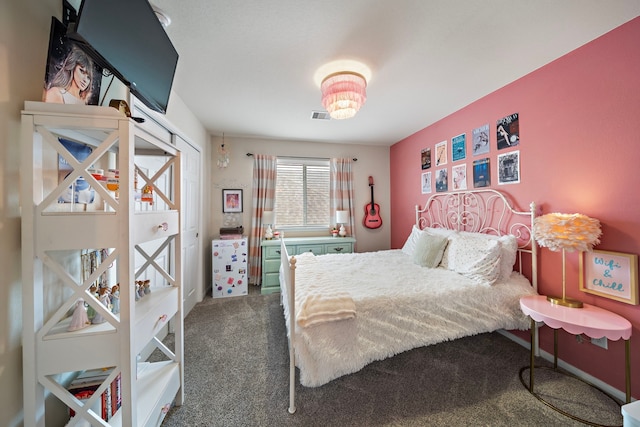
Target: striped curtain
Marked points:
341	191
263	198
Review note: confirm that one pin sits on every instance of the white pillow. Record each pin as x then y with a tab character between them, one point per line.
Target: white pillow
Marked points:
440	231
473	256
508	251
410	243
429	250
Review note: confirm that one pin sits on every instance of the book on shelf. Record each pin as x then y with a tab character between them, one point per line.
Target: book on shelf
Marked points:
116	394
87	383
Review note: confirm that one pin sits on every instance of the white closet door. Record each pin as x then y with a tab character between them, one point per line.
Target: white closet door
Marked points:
193	289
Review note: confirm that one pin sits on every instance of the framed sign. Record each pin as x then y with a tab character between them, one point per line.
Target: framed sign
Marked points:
611	275
231	201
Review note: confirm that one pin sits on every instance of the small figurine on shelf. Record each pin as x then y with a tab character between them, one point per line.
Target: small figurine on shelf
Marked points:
136	289
334	232
115	299
104	300
93	290
147	194
140	288
147	287
79	319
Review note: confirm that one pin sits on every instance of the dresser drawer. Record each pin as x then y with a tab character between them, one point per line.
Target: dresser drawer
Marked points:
316	249
158	385
270	252
339	248
271	280
271	265
149	226
153	312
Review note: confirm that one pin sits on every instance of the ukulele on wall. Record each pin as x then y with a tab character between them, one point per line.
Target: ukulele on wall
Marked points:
372	217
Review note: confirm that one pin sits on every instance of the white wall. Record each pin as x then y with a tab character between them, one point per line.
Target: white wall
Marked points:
372	160
24	39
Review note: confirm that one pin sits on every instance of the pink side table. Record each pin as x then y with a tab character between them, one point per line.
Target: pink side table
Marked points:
595	322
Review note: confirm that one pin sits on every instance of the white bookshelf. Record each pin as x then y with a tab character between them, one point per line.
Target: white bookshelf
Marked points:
139	240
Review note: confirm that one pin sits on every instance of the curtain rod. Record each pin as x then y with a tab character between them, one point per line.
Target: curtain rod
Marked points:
298	157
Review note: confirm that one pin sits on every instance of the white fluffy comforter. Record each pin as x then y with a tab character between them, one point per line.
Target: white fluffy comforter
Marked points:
398	306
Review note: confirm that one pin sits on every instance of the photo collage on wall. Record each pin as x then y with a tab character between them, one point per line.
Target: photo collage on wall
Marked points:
508	163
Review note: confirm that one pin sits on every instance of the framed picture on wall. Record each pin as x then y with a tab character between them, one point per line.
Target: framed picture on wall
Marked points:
441	153
481	140
442	180
231	201
426	182
508	131
481	173
509	168
612	275
459	177
459	147
425	158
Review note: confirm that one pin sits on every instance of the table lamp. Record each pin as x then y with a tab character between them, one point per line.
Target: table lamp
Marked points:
268	218
342	217
566	232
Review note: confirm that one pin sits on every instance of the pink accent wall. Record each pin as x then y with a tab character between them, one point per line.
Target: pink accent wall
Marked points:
579	152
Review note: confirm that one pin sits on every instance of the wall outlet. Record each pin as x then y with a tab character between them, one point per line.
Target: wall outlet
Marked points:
600	342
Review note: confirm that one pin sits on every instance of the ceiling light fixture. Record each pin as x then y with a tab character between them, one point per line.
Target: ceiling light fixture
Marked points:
343	93
343	85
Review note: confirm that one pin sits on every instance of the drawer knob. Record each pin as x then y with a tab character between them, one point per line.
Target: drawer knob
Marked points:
338	249
165	408
278	252
164	226
163	318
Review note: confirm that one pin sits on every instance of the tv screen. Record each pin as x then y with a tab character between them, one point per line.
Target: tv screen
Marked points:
126	37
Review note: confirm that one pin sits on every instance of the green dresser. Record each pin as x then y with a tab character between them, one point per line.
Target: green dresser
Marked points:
296	246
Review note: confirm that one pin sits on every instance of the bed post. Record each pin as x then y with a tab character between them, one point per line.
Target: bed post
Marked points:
534	249
534	275
292	325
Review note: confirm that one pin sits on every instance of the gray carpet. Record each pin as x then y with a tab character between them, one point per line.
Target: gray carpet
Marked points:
236	374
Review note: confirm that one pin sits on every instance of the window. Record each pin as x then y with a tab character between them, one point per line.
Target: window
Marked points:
302	193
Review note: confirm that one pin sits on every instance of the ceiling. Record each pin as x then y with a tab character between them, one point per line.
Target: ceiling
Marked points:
247	67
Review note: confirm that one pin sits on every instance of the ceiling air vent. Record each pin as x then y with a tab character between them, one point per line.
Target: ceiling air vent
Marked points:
320	115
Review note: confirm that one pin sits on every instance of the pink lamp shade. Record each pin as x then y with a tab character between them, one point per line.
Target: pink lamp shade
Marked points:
343	94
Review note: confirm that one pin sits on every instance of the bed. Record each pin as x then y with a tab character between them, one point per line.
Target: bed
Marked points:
468	259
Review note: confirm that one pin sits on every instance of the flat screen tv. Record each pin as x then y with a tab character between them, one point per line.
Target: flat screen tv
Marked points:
125	37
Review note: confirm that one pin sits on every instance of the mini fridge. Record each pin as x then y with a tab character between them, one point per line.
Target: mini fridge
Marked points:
230	267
